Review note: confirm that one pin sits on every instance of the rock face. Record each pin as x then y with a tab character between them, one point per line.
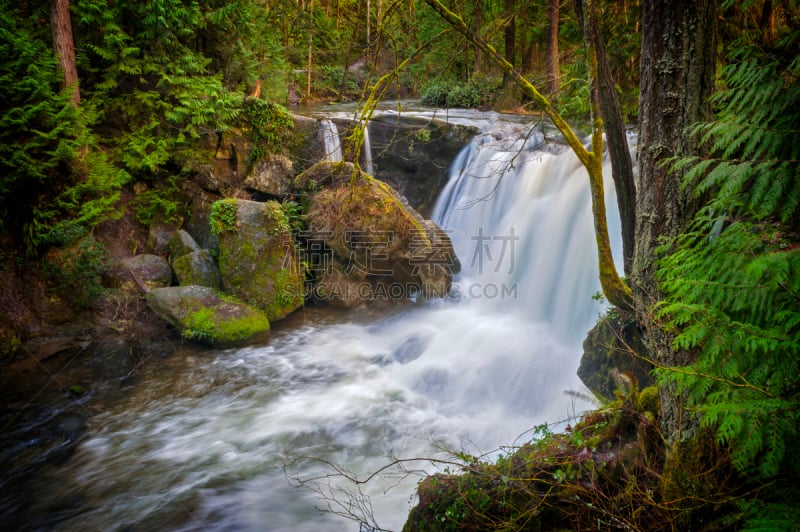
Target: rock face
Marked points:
201	314
258	261
611	349
377	248
222	162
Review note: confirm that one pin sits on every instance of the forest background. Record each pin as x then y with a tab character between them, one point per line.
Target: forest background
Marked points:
101	95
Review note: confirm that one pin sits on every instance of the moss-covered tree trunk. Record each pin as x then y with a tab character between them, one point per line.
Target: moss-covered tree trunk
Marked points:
677	76
618	150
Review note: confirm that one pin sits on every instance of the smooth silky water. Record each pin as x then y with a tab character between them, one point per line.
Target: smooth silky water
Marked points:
205	441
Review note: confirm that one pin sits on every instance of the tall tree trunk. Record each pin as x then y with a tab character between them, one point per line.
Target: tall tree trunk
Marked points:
510	38
64	46
477	28
310	48
552	65
677	77
618	150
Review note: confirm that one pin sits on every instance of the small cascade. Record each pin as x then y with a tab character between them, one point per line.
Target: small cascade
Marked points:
330	136
368	152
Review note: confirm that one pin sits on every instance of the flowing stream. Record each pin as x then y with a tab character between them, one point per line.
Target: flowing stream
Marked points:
205	441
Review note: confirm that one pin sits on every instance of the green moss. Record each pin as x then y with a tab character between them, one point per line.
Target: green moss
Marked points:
207	326
223	216
286	296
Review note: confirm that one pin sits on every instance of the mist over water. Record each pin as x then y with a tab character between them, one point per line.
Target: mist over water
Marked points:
202	441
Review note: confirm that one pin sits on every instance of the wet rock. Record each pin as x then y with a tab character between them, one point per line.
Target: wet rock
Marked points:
613	347
197	268
203	315
258	261
46	347
112	358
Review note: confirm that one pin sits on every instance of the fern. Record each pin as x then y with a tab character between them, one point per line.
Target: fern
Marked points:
732	282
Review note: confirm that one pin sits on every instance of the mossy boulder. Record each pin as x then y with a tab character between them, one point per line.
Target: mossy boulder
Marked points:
373	234
613	351
258	260
197	268
203	315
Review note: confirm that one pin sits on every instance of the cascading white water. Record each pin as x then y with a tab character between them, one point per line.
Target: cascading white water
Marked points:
201	442
330	137
368	151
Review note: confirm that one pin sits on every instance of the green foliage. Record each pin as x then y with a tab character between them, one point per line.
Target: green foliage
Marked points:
75	272
449	93
295	215
55	181
223	216
163	202
732	282
266	122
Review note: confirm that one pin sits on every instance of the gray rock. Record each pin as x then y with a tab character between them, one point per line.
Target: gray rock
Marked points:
181	244
612	348
153	270
197	268
272	175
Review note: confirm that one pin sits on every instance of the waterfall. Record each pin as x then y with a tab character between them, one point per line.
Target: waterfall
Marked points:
368	151
330	136
519	212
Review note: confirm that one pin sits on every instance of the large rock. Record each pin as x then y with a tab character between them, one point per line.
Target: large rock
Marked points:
271	175
197	268
257	255
153	270
203	315
228	162
373	237
613	351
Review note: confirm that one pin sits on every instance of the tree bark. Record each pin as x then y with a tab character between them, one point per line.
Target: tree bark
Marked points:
618	149
510	37
64	46
552	64
677	77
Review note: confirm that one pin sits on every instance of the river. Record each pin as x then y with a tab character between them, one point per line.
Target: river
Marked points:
207	440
